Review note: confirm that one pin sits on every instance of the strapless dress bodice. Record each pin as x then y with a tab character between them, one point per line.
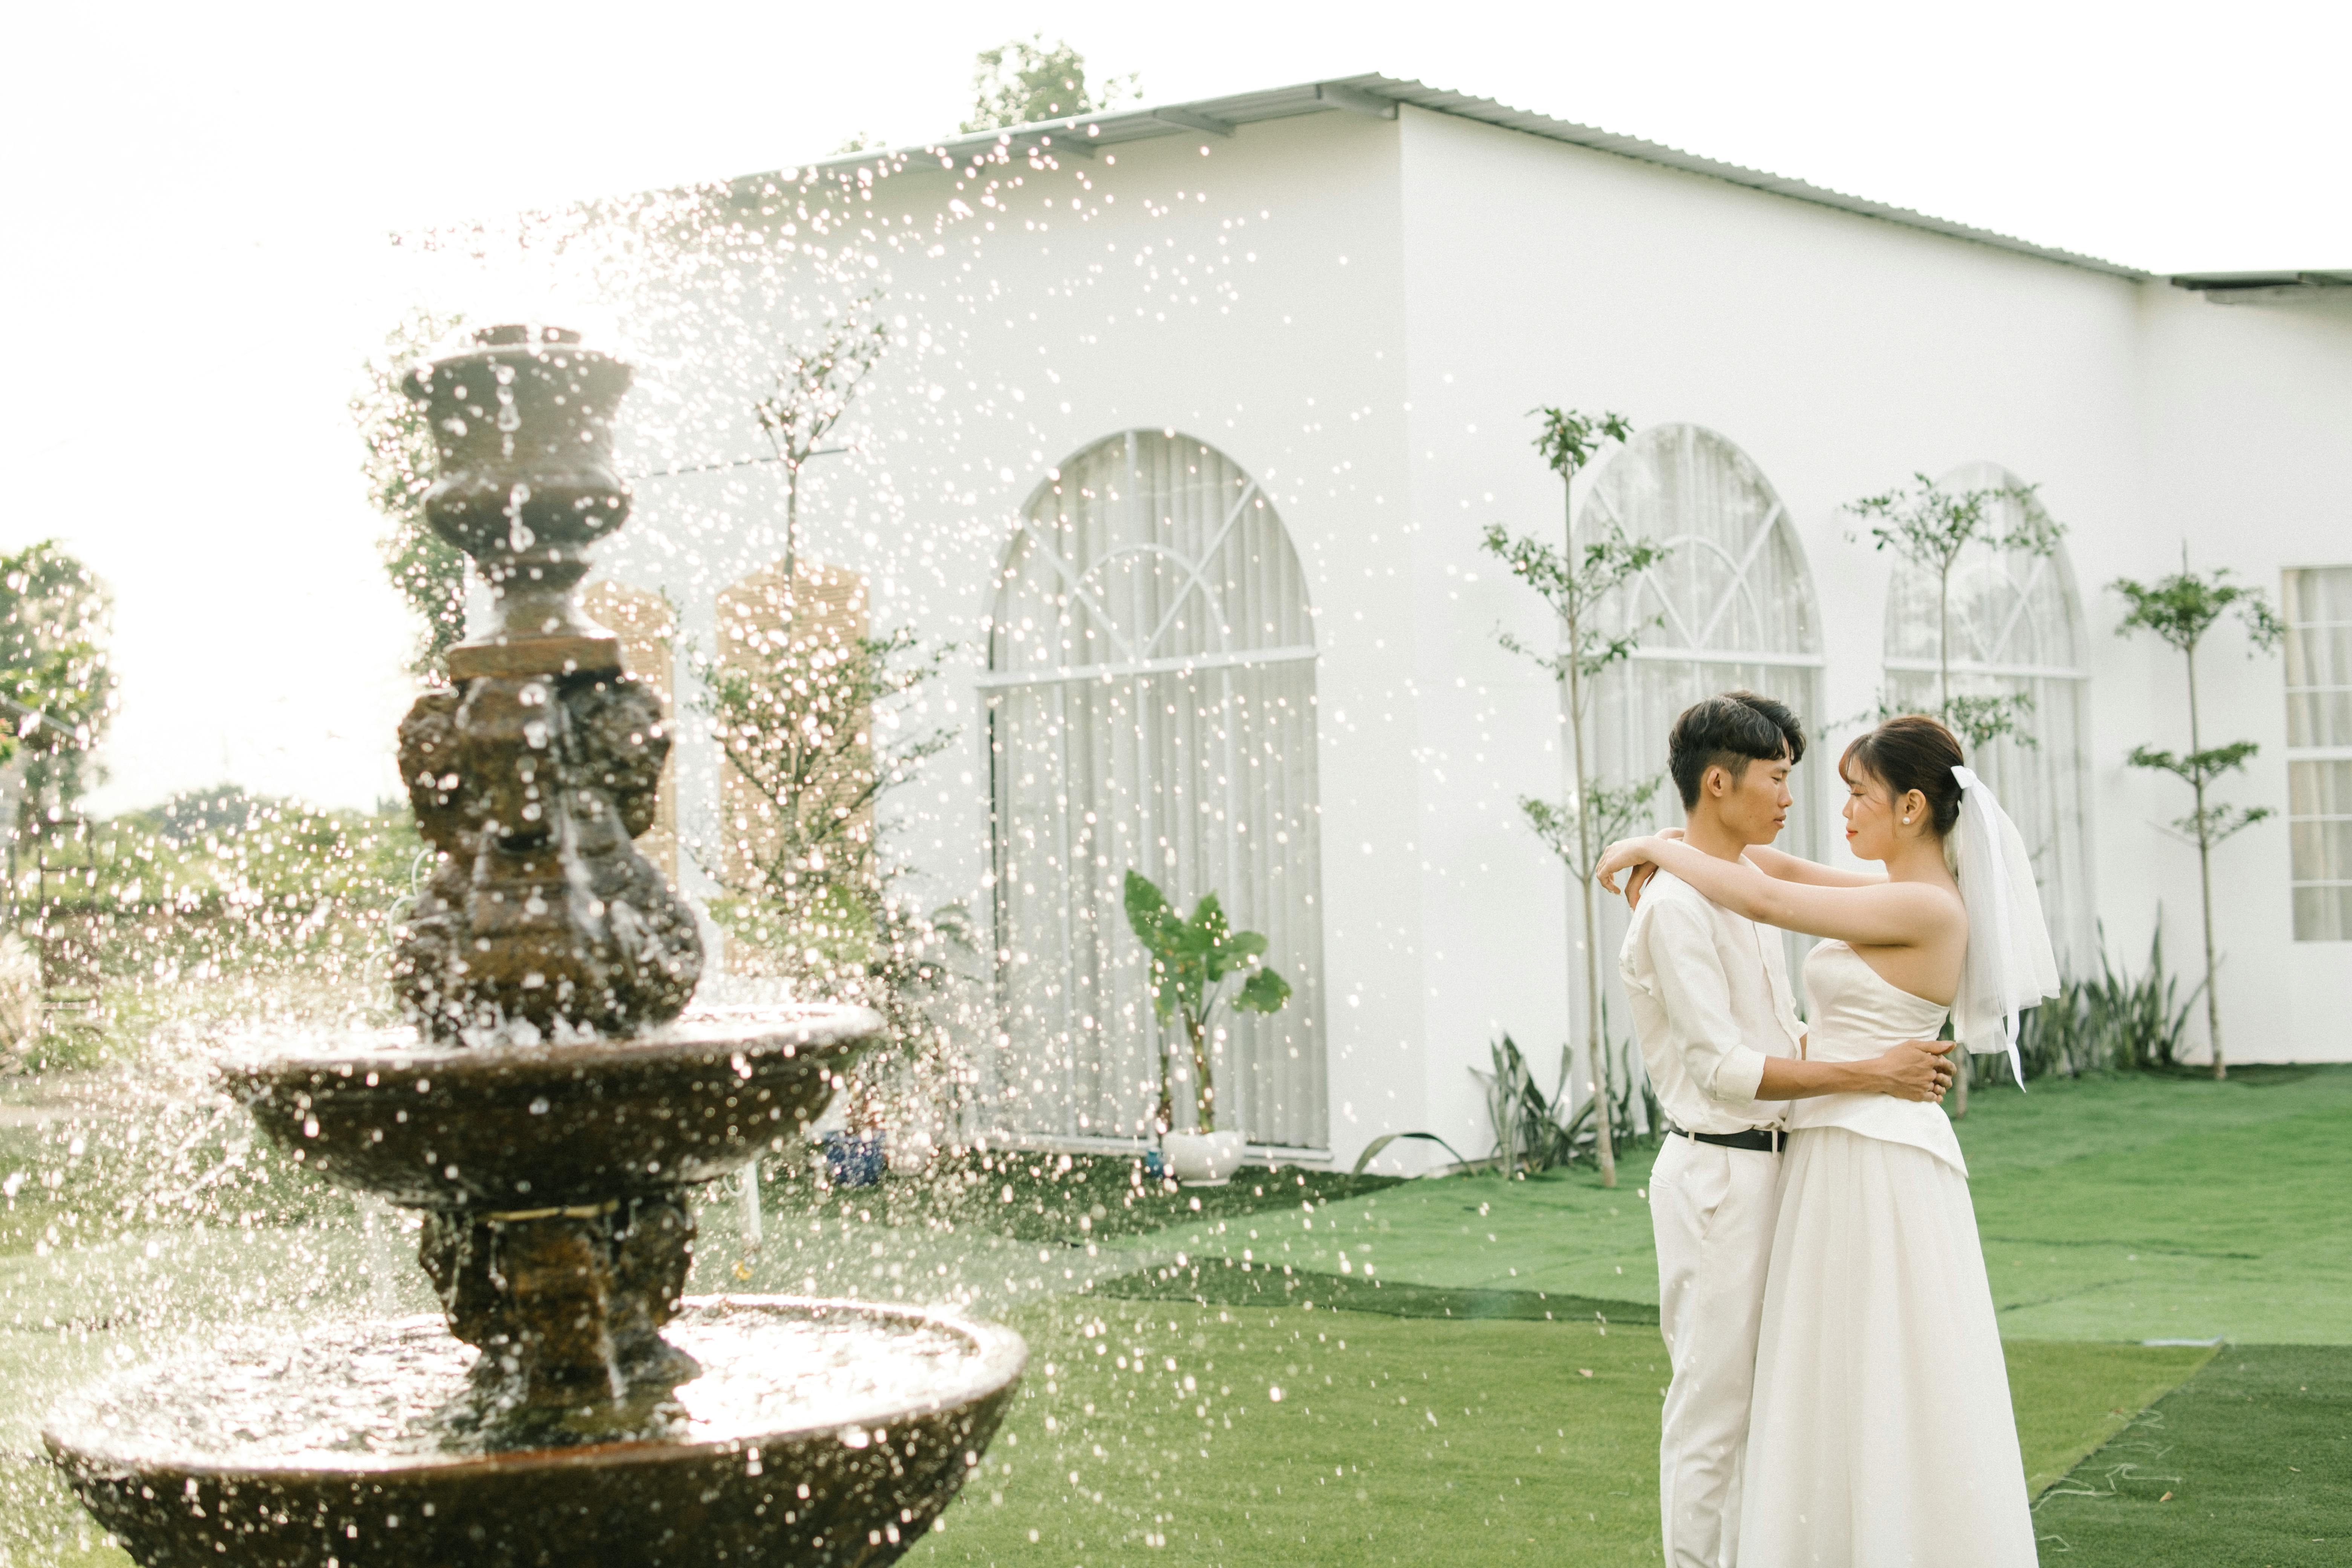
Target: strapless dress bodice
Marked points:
1852	1013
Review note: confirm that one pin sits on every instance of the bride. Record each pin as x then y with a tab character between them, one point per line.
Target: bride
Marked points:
1881	1432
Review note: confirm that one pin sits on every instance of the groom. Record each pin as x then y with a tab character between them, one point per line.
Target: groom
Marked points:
1720	1033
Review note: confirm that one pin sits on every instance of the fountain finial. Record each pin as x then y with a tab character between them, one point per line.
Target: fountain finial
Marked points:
535	769
522	431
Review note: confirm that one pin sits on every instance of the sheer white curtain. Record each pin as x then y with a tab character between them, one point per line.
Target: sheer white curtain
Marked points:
1731	605
2318	605
2016	630
1150	701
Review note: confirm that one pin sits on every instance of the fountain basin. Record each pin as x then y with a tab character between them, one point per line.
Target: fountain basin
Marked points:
819	1432
509	1127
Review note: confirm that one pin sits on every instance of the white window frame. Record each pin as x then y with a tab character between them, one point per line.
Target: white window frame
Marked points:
1262	676
2307	756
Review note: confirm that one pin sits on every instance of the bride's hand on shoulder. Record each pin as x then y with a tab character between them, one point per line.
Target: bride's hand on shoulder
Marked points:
1620	856
1639	878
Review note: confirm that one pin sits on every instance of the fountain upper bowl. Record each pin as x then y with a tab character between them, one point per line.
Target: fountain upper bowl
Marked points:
509	1128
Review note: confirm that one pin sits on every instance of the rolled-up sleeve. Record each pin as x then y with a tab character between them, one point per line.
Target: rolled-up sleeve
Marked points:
1685	974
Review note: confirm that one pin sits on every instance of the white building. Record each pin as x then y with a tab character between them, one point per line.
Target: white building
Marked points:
1192	420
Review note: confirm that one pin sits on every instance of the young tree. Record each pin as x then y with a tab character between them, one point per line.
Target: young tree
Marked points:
813	389
794	711
1190	962
56	688
428	570
1022	83
1931	528
1575	583
2181	609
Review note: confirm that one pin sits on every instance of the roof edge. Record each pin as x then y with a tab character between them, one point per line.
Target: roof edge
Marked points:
1375	94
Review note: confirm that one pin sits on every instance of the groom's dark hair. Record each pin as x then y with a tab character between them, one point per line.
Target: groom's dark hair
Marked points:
1733	730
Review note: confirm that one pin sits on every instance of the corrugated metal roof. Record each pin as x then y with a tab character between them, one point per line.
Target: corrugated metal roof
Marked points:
2210	283
1081	135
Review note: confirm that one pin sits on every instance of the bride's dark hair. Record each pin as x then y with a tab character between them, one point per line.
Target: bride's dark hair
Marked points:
1911	751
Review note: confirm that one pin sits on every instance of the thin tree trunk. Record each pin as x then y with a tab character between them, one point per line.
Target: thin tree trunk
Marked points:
1944	640
2204	872
1605	1145
792	522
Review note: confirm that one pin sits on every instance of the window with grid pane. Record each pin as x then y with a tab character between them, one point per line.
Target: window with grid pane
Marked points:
1150	705
1730	605
2318	605
2017	631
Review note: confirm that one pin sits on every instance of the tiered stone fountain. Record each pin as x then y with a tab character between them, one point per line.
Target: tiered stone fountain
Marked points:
546	1110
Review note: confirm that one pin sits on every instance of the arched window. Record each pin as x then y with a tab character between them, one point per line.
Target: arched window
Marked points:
2016	630
1150	701
1730	607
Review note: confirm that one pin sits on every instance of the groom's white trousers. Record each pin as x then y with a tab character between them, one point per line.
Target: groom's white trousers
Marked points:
1712	1209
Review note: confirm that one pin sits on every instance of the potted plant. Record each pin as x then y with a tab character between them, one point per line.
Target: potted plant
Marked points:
1191	960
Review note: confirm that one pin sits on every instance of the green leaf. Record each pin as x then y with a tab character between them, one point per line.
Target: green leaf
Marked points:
1569	439
1147	911
1209	923
1929	525
1373	1150
2179	609
1263	992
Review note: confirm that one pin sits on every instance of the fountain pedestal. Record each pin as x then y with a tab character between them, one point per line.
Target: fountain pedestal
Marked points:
548	1109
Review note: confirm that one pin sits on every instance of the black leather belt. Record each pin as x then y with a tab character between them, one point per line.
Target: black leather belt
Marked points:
1763	1140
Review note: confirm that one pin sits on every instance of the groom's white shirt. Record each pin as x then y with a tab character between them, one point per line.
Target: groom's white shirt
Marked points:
1711	1004
1711	1001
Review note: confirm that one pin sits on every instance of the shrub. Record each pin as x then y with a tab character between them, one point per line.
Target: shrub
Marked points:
2110	1022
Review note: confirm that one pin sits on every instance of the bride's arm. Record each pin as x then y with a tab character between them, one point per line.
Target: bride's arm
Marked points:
1797	868
1772	862
1885	914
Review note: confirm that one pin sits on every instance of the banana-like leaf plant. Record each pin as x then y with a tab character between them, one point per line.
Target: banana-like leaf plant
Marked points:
1191	960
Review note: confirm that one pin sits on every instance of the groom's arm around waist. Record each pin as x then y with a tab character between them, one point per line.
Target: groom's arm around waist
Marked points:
1676	959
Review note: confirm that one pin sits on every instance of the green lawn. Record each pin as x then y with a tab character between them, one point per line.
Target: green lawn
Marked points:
2118	1209
2247	1464
1490	1443
1431	1339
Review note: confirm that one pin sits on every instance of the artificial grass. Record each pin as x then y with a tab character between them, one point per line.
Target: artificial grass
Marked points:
1034	1194
2247	1464
2112	1209
41	1525
1227	1281
2123	1208
2071	1398
1562	1233
2142	1208
1495	1443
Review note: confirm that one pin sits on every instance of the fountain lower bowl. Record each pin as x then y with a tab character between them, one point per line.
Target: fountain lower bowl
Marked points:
820	1433
509	1127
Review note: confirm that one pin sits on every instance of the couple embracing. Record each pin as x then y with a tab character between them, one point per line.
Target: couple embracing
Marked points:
1838	1395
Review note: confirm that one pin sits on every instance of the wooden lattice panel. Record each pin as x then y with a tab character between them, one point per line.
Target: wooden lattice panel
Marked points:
643	621
820	607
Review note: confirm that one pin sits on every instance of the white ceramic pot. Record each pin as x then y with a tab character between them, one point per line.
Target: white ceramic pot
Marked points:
1201	1159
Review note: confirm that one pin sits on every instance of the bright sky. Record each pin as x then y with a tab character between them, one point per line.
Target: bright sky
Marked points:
198	197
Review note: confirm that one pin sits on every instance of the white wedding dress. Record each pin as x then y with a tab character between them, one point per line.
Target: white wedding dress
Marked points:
1881	1435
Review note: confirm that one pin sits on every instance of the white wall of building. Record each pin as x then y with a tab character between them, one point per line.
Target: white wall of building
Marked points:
1266	320
2246	411
1361	313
